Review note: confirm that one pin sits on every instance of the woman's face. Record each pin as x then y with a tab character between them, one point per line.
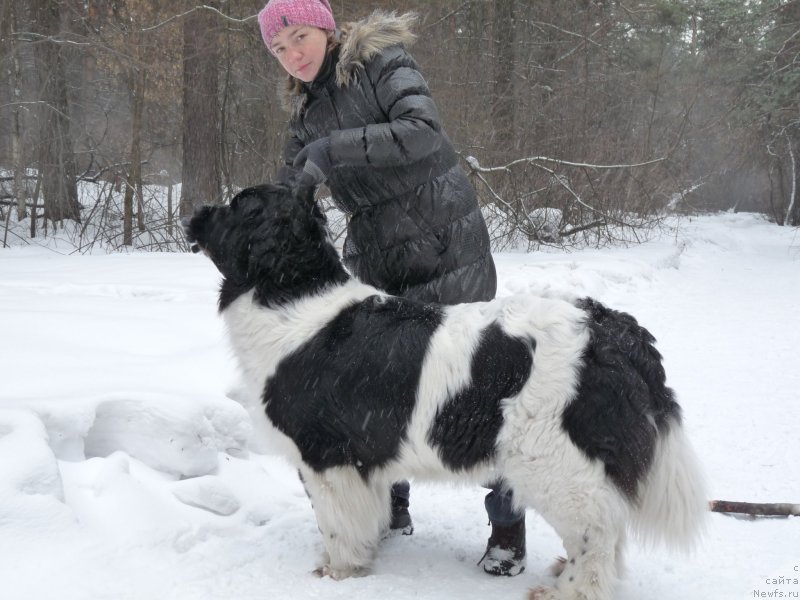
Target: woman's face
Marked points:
301	50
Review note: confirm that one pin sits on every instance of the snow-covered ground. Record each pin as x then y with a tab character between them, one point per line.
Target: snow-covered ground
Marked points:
126	472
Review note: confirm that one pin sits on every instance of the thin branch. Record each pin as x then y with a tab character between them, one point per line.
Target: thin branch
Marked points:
508	206
36	103
450	14
190	11
574	230
786	42
475	165
38	37
562	181
587	39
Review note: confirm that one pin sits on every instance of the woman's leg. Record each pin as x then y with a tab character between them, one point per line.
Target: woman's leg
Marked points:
505	550
401	519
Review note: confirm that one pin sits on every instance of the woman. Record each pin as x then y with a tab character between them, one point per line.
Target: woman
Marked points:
363	122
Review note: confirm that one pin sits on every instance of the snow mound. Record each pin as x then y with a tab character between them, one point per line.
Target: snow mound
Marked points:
26	460
31	490
67	424
209	493
180	436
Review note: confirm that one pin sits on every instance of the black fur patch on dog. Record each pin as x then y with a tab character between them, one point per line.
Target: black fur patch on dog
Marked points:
346	397
622	382
465	428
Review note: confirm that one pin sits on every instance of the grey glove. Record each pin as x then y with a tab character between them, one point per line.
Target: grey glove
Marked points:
315	159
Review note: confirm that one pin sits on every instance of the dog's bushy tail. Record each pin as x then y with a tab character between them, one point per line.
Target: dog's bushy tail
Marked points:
673	505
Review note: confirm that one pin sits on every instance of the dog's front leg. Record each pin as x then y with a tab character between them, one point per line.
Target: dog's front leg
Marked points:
352	513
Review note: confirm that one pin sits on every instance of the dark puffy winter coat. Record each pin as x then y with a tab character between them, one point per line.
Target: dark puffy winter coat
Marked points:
415	228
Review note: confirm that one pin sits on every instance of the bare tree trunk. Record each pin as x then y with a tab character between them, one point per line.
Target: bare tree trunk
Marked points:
140	93
654	103
134	175
8	29
169	209
201	143
791	218
503	102
37	190
56	157
19	165
225	158
127	215
135	178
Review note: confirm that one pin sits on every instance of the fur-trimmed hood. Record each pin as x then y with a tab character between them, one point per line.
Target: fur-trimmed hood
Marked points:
367	38
359	42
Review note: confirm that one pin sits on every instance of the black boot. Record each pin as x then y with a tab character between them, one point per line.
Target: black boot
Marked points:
401	519
505	551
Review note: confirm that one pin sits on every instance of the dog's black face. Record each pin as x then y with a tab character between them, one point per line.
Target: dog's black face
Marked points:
271	238
225	233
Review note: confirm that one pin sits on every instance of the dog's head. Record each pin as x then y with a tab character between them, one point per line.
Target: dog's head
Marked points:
270	238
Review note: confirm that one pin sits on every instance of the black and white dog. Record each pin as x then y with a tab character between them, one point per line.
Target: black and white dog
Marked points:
566	402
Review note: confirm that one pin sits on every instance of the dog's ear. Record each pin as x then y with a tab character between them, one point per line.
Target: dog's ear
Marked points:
195	228
304	195
244	196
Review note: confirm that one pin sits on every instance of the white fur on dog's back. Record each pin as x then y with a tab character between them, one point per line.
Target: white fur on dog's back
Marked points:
673	504
559	333
262	336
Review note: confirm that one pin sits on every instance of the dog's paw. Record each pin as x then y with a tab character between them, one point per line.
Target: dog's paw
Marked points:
338	574
558	566
544	593
390	533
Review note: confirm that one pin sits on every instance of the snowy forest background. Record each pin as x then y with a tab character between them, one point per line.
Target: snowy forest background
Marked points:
581	122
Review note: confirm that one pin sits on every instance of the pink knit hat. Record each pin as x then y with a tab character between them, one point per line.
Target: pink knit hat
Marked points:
278	14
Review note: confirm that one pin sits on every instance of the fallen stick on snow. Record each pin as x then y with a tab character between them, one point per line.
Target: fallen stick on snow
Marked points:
754	509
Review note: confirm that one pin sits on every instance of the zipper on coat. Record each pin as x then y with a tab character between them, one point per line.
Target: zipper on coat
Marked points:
329	98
